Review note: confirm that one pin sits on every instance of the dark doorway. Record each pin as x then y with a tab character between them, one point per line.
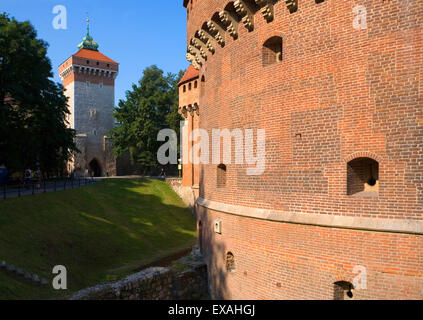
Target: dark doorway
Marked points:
95	168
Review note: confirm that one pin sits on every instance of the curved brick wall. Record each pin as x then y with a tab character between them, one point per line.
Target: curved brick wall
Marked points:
290	261
338	94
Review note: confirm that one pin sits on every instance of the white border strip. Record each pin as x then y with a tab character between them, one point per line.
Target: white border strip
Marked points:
333	221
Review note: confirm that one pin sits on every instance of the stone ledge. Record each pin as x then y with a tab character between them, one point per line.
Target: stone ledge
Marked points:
156	283
333	221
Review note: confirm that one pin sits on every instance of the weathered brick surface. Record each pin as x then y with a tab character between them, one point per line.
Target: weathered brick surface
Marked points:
338	94
290	261
189	94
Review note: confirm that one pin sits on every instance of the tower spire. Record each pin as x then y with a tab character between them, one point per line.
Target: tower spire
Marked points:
88	26
88	41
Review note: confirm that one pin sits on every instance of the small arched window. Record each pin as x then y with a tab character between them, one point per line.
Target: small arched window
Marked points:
230	262
221	176
195	84
363	177
342	290
185	88
272	51
189	86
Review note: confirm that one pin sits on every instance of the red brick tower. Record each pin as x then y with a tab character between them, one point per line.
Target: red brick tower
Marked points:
189	94
89	79
338	212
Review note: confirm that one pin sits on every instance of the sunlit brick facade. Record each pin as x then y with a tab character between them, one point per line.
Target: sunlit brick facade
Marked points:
342	193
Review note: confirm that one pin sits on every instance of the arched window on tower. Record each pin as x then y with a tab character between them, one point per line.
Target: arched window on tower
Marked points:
272	51
363	177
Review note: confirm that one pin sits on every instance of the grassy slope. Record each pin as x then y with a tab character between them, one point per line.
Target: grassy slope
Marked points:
94	231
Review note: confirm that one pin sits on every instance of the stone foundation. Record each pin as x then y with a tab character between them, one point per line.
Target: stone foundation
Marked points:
187	194
185	280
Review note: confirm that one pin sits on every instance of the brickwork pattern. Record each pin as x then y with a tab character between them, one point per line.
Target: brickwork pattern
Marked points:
337	91
290	261
338	94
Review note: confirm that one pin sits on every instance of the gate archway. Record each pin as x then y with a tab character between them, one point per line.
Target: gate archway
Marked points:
95	168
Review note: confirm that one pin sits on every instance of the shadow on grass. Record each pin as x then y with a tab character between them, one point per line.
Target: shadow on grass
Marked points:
100	233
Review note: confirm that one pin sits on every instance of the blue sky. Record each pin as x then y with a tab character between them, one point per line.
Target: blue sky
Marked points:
135	33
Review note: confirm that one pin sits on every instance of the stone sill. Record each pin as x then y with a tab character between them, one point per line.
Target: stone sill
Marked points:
334	221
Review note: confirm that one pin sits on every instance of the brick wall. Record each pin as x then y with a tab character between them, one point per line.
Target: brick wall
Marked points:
338	94
189	93
290	261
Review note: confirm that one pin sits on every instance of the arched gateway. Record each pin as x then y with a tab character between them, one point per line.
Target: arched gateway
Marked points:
95	168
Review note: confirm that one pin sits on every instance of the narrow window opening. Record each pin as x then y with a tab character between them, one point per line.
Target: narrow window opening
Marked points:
342	290
189	86
221	176
185	88
272	51
195	84
363	177
230	262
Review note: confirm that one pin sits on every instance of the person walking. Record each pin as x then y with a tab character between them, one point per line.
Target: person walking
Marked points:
28	174
38	177
163	173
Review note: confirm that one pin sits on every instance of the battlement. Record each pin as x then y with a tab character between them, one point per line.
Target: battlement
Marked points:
89	66
336	86
208	29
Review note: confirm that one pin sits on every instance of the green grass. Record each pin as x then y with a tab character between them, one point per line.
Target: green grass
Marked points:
100	233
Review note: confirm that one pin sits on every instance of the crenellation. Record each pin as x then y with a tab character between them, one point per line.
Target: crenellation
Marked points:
246	13
341	189
266	8
218	31
292	5
230	22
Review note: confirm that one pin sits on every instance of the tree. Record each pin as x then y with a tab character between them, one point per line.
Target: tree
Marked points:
33	109
150	106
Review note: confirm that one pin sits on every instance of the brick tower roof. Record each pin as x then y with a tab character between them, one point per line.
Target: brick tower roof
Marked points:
94	55
190	74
